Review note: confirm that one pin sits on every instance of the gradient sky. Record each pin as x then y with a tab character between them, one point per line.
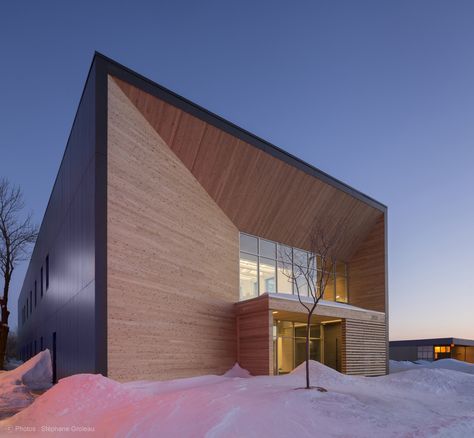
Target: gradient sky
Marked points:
379	94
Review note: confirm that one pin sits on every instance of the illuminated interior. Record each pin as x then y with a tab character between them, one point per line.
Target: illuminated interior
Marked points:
289	344
442	352
267	267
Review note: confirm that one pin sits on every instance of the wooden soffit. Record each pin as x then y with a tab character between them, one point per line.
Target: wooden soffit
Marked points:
261	194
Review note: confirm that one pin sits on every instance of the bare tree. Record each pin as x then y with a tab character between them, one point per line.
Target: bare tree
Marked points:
310	276
16	236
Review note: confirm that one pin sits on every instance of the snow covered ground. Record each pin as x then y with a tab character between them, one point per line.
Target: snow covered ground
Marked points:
18	387
420	402
446	364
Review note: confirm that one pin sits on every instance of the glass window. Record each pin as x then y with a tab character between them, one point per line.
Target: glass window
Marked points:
315	331
301	286
328	280
300	330
248	276
325	263
248	243
341	289
267	248
300	258
285	284
341	269
284	253
269	267
267	275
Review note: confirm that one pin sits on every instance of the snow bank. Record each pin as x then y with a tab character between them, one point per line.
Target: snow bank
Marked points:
237	371
421	402
448	364
455	365
396	366
16	386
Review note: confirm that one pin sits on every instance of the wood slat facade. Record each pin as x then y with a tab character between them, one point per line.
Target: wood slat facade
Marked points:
365	347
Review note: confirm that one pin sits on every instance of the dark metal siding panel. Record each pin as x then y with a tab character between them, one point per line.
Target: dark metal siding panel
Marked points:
100	317
404	353
67	234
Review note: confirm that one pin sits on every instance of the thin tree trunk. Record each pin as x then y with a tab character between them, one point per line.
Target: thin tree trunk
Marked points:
4	313
4	310
308	332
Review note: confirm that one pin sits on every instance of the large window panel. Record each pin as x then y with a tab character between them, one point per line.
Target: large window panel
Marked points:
271	267
285	285
248	276
267	276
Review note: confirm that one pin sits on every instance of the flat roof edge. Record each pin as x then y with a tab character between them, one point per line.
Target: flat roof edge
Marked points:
151	87
432	341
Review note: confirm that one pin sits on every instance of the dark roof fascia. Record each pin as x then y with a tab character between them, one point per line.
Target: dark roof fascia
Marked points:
434	341
120	71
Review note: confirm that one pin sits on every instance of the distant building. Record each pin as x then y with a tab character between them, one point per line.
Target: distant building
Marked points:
433	349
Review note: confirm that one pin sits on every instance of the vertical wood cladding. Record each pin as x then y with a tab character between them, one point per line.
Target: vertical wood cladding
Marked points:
367	271
364	347
172	259
254	337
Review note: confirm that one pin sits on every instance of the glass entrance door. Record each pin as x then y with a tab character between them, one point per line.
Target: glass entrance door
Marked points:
289	344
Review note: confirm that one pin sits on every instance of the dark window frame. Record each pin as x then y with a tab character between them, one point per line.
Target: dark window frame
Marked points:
47	272
41	282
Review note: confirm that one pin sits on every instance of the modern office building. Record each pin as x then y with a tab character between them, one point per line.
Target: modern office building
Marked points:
158	255
433	349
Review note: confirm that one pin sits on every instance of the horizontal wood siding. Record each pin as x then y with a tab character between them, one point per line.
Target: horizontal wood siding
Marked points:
364	347
254	331
172	259
367	271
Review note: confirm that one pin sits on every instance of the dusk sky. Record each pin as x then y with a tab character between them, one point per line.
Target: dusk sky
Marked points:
379	94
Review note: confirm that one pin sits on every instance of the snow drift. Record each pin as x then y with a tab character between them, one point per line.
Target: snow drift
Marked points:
421	402
448	364
17	386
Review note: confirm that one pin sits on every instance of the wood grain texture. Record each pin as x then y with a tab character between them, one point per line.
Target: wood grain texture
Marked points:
172	259
367	271
254	329
364	349
260	193
364	344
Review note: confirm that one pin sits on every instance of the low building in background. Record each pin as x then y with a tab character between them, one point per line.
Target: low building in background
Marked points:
433	349
157	257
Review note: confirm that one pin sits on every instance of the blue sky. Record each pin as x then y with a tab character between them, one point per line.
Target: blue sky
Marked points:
379	94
